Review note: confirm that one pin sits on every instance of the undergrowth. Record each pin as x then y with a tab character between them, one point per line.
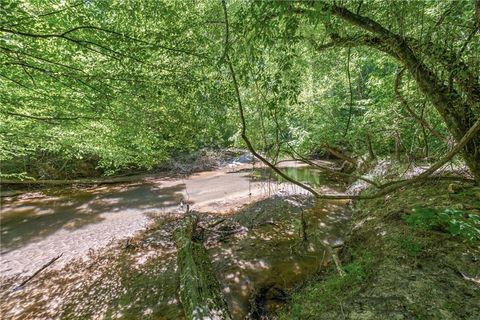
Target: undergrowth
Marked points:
409	255
456	222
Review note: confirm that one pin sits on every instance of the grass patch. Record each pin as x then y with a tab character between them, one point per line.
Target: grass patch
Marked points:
326	293
410	245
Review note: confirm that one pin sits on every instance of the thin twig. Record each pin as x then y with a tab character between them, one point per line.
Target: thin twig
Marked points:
39	270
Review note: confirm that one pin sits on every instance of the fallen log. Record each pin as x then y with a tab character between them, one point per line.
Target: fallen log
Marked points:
339	154
200	291
329	169
75	181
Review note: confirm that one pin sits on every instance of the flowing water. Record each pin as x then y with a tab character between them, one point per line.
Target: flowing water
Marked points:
260	263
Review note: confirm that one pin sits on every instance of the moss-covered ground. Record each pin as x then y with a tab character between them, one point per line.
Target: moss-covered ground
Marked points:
410	255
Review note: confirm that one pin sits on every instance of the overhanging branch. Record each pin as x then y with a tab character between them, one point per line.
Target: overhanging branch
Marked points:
243	121
374	27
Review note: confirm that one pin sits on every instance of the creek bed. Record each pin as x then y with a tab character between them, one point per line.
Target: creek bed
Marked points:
256	266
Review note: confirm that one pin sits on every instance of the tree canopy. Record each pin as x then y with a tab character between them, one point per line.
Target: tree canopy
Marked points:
132	83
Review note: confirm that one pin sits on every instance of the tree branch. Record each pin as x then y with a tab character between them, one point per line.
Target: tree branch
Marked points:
471	133
41	15
64	34
49	119
244	124
332	171
403	101
351	93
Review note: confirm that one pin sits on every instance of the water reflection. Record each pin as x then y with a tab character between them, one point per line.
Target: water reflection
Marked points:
309	175
261	265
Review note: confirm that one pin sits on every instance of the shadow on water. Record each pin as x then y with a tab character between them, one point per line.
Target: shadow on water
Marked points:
258	268
27	220
309	175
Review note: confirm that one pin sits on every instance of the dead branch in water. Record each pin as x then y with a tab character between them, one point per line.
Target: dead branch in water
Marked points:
331	170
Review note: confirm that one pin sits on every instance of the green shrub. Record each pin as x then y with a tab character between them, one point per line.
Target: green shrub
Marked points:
456	222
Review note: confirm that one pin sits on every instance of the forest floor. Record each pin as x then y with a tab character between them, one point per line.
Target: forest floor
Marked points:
414	254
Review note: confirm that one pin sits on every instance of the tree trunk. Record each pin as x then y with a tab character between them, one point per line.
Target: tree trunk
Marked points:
457	113
339	154
397	146
371	154
200	291
477	13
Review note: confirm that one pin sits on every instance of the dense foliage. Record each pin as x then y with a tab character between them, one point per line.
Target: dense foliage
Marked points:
132	83
454	221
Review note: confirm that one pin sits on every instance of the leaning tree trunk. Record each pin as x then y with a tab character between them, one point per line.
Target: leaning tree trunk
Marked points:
458	115
200	292
471	154
457	111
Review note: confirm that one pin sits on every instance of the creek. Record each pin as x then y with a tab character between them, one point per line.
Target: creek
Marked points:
256	267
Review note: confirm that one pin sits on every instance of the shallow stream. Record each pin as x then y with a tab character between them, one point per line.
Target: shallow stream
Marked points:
256	267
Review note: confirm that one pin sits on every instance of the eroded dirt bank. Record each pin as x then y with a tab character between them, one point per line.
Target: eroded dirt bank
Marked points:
410	255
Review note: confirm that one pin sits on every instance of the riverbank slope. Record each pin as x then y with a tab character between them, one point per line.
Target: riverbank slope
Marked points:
414	254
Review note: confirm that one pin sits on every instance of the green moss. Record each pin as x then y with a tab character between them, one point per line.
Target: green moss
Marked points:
200	291
329	292
410	245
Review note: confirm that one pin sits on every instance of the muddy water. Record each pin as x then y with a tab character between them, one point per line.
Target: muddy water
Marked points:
256	266
36	227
